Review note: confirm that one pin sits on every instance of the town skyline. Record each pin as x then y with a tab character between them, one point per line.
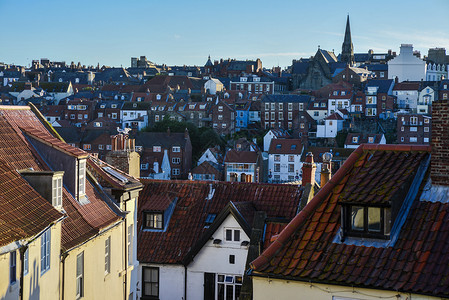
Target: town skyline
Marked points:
112	34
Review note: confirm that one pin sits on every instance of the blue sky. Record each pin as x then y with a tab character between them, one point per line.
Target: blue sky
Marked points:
186	32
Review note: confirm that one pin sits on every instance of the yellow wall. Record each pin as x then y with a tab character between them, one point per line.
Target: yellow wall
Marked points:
274	289
36	285
97	284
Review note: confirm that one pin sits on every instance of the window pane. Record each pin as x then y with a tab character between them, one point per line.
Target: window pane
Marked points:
220	278
220	291
237	292
228	234
229	292
357	218
374	219
387	221
236	235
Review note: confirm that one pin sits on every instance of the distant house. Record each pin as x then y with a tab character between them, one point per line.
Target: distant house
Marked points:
274	134
207	170
252	84
413	129
284	160
242	166
212	155
331	126
378	98
406	66
279	111
135	115
152	146
406	95
213	86
354	140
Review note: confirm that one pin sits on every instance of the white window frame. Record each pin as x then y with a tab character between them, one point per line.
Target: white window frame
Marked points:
45	251
80	275
107	255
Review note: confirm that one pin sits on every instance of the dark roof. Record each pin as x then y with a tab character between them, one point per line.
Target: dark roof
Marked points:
415	261
376	67
188	221
285	146
286	98
150	139
362	138
234	156
383	84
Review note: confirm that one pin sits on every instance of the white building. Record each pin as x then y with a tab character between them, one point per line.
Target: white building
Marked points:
436	72
425	98
273	134
284	160
332	125
406	66
212	86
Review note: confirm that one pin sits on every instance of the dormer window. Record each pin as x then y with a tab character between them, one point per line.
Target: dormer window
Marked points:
367	221
371	139
355	139
153	220
81	180
57	191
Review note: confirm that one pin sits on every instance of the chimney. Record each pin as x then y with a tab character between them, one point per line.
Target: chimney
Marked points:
308	170
439	172
123	155
326	168
168	131
186	133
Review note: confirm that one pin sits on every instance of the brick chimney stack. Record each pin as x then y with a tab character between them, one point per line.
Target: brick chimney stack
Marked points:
439	172
308	170
123	155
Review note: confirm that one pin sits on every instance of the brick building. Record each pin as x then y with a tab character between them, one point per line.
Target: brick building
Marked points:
413	129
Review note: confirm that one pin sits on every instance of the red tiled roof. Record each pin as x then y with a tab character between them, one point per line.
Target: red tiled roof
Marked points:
285	146
188	219
417	262
406	86
23	212
46	138
234	156
83	221
334	116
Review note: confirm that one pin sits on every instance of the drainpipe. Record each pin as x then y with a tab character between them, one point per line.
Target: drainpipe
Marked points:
63	257
126	253
185	282
22	269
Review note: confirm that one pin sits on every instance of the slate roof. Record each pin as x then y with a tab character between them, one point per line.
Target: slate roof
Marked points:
286	98
18	126
362	138
285	146
308	249
383	84
187	223
406	86
234	156
150	139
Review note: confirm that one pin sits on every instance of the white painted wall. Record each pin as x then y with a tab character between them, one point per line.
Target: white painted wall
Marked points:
274	289
171	281
207	156
406	66
215	259
284	167
329	129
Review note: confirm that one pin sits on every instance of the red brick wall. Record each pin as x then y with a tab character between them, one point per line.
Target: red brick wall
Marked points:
440	143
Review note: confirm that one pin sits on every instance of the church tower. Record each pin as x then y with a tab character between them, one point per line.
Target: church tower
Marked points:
347	51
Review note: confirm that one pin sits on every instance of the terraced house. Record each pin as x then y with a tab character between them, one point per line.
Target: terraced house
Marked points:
68	228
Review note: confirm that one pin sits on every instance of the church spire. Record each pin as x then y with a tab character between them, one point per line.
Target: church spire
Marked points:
347	51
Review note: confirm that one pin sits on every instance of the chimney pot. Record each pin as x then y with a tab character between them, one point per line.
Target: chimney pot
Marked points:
308	170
